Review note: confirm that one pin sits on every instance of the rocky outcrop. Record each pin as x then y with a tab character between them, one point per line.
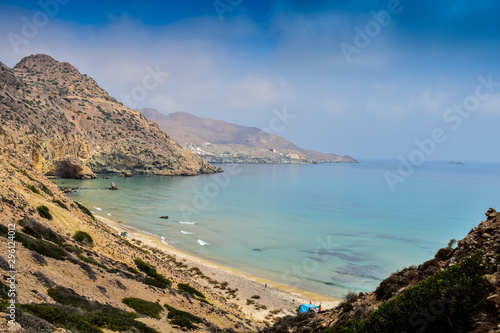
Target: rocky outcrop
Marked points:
113	187
71	167
491	214
67	125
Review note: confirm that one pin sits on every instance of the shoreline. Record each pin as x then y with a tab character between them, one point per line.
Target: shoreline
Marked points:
252	284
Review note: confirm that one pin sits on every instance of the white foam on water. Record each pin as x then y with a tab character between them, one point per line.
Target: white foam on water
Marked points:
182	222
187	232
202	243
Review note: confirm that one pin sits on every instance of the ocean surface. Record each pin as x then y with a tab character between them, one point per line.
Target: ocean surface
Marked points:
325	228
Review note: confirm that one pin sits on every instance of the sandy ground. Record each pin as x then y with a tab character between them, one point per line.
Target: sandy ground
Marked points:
276	297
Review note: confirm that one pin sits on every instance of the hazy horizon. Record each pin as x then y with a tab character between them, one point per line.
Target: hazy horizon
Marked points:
369	79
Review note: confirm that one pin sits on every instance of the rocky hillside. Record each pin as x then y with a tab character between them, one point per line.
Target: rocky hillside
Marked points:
68	126
74	273
456	291
237	142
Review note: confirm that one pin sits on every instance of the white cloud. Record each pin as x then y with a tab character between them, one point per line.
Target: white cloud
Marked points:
240	71
491	105
256	91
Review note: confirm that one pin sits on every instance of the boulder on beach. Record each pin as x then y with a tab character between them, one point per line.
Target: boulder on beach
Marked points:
113	186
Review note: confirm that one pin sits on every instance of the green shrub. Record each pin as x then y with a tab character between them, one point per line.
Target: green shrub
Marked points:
117	320
132	270
33	189
38	230
155	279
150	270
182	318
351	297
187	288
26	174
93	262
46	189
155	283
72	248
4	231
147	308
60	203
47	249
163	279
66	296
85	210
453	296
43	247
83	238
44	212
4	291
97	314
122	273
57	316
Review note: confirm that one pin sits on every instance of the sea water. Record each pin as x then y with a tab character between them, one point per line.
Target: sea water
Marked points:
325	228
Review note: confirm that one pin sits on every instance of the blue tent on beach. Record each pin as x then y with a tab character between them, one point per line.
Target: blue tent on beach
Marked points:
307	308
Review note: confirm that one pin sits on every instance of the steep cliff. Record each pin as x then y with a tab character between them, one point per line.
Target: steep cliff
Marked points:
68	126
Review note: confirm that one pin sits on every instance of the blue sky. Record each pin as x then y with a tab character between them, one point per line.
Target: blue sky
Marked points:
364	78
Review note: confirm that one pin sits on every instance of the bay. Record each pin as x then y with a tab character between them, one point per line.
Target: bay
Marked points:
324	228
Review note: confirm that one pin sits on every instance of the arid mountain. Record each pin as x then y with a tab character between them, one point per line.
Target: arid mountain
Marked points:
190	131
68	126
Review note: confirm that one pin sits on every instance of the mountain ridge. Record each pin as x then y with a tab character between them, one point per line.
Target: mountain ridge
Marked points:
190	130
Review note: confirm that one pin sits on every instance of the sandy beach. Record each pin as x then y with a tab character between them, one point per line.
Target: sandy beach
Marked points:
253	295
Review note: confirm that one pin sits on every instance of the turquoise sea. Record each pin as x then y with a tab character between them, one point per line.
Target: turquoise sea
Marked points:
325	228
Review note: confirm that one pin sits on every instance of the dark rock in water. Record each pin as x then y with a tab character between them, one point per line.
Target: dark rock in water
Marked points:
491	213
105	177
113	186
164	217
